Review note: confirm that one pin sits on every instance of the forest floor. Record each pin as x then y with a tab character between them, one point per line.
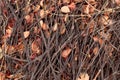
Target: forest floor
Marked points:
59	39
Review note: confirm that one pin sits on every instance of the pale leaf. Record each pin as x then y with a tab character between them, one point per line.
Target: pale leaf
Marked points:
26	34
65	9
83	76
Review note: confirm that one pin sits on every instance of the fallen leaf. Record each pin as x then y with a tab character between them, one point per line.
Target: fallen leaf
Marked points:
2	76
95	50
41	3
95	38
55	27
9	32
85	9
100	41
37	8
83	76
65	9
62	29
28	18
65	53
72	6
117	2
66	1
43	13
26	34
1	54
35	46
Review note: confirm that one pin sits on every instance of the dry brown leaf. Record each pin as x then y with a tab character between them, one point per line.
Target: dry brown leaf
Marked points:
47	34
2	76
65	9
65	53
41	3
86	9
43	13
9	32
95	38
55	27
35	47
45	26
37	8
62	30
27	9
95	50
26	34
66	1
78	0
28	18
72	6
117	2
105	19
83	76
91	0
1	54
101	41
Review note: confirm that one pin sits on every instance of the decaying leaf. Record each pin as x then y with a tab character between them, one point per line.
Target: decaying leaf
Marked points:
26	34
2	76
65	53
65	9
83	76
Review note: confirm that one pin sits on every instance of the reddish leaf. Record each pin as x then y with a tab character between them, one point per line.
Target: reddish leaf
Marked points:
72	6
65	53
